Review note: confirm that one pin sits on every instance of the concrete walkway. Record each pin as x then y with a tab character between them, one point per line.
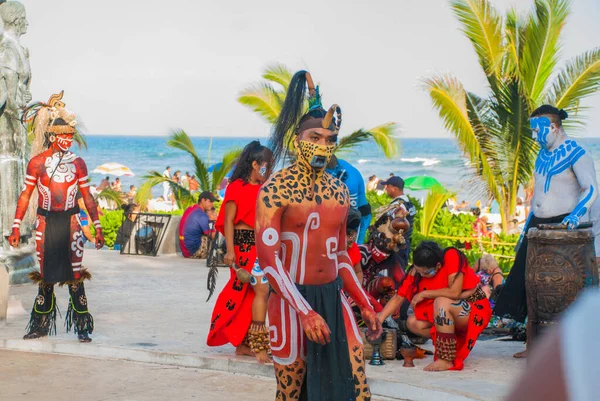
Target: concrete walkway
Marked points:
153	310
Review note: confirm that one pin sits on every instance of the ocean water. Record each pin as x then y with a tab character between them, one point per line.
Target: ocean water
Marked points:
439	158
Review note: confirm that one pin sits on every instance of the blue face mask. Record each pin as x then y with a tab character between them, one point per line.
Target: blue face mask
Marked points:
263	170
540	126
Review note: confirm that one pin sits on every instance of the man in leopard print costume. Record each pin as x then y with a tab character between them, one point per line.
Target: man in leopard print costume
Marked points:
301	245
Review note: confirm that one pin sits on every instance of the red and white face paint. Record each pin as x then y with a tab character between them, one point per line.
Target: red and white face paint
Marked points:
64	141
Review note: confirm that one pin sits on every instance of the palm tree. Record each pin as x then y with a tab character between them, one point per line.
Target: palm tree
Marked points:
208	180
519	55
266	98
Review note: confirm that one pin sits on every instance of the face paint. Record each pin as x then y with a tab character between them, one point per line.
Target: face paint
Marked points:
541	130
427	272
263	170
64	142
317	156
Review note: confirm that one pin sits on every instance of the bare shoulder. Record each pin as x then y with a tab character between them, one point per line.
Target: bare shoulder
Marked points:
275	192
334	188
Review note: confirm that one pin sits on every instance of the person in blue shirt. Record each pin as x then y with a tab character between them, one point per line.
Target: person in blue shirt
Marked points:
356	187
196	223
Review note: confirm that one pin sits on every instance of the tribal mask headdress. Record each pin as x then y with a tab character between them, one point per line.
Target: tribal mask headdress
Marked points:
294	119
51	119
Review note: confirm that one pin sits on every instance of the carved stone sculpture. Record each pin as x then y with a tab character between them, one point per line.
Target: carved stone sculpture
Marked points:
15	76
560	263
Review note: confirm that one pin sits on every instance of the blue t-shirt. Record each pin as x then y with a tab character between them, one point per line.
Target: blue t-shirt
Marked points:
356	188
196	225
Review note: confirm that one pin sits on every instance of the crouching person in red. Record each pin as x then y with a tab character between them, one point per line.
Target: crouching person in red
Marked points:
449	305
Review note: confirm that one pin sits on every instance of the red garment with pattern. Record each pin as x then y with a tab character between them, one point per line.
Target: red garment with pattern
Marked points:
232	314
481	311
244	195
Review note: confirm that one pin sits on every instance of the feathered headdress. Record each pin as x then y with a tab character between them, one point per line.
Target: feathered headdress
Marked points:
50	118
294	118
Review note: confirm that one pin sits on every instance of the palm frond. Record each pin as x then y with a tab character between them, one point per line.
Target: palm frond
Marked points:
278	73
110	194
515	144
450	99
262	99
436	198
346	143
542	46
144	193
514	32
384	136
579	79
483	26
227	163
182	195
180	140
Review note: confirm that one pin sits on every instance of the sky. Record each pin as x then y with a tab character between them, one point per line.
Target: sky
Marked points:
133	67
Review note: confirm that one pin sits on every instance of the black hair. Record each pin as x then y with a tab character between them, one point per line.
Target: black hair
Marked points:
253	152
558	114
428	254
292	114
476	211
128	208
353	220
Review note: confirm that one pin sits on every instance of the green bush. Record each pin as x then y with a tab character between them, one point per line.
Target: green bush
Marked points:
461	225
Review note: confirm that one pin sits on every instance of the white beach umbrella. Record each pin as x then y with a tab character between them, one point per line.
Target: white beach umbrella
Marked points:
114	169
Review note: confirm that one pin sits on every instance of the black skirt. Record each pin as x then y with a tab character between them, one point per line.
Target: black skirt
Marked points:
512	301
57	246
328	368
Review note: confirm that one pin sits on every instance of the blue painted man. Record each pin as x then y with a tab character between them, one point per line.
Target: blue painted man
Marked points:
565	192
356	187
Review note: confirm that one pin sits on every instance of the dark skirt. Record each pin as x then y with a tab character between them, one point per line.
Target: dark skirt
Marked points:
57	246
328	368
512	300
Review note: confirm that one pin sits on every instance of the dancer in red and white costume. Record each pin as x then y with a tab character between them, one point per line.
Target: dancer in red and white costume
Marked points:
58	176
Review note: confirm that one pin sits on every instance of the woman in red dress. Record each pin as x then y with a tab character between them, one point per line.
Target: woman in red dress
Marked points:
449	305
240	311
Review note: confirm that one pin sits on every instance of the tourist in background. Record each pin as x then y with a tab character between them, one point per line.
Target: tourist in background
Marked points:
166	185
394	187
131	194
489	273
185	180
116	186
372	184
195	226
240	312
105	183
355	183
194	184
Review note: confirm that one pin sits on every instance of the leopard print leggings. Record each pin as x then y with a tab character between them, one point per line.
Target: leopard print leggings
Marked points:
290	378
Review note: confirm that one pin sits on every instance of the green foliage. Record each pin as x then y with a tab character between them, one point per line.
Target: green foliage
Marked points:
519	55
436	198
111	221
266	99
376	200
